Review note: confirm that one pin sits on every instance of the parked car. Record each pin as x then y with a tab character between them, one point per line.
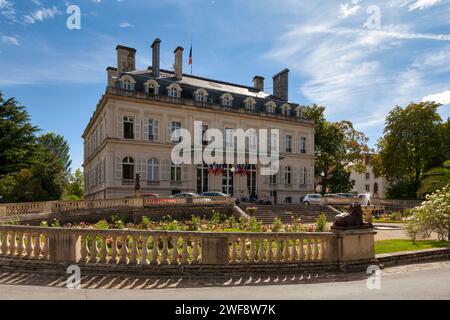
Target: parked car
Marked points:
346	195
218	194
185	195
312	199
150	196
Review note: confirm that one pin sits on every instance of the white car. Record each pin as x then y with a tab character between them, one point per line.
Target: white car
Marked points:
312	199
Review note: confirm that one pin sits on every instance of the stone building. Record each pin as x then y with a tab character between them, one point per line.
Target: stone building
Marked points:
130	133
367	182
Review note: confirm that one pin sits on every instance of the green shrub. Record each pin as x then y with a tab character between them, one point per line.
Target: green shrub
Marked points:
277	225
56	223
102	225
146	222
321	222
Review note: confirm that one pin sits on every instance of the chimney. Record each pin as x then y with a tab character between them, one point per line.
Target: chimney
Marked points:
281	84
258	83
112	76
126	59
155	57
178	66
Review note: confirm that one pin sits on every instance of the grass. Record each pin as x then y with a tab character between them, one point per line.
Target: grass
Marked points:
386	221
396	245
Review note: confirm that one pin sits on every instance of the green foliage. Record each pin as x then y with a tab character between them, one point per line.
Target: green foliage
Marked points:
117	222
434	179
58	146
413	141
277	225
340	181
195	223
43	224
432	216
337	146
321	222
56	223
75	186
251	211
146	222
102	225
401	189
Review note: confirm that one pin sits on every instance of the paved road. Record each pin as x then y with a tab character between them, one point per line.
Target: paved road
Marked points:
421	281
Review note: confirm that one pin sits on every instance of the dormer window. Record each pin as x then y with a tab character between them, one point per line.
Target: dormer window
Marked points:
227	100
201	96
271	107
249	104
127	83
151	87
286	109
174	91
299	112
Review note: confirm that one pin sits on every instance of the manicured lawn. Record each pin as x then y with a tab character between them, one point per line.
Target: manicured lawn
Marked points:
394	245
386	221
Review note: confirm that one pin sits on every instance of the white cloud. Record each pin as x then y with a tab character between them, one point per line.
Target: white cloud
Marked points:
348	9
441	97
420	4
41	15
10	40
126	25
7	10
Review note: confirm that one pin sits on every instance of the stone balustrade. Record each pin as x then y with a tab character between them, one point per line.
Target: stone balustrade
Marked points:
157	248
16	209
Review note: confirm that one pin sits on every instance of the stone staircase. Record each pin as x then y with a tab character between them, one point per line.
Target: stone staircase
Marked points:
308	214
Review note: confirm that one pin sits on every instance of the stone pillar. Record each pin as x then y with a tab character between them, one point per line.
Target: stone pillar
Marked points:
215	250
178	65
64	246
354	245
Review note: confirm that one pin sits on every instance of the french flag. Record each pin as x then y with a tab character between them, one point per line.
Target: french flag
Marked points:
190	56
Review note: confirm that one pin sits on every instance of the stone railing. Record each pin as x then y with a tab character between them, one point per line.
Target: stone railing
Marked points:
16	209
138	247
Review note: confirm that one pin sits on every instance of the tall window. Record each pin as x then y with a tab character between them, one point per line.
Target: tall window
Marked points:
153	170
273	179
367	187
152	130
288	143
367	175
128	127
302	145
175	172
203	139
201	97
251	180
174	128
227	101
228	180
127	85
202	178
249	104
173	92
287	175
229	136
128	168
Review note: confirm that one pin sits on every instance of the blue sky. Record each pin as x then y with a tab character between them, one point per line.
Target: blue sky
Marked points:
337	54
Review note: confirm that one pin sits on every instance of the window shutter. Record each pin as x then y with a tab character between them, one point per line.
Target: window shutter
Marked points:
169	132
310	176
185	172
145	129
120	126
143	170
309	150
283	143
302	176
295	144
165	170
156	130
117	168
281	176
294	176
266	180
137	129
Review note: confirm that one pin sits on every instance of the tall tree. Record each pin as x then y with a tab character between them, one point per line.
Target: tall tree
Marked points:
17	136
58	146
74	189
338	146
411	144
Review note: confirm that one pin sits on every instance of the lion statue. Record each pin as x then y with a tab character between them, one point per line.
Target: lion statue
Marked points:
351	220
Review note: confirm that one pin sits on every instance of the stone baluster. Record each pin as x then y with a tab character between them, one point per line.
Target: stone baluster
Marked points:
84	248
37	246
261	252
94	249
286	253
20	244
134	250
301	253
322	248
308	250
185	253
315	249
144	253
233	253
165	250
175	252
104	250
46	249
252	251
278	255
4	239
269	249
155	252
29	246
12	243
294	255
114	249
195	252
243	245
124	250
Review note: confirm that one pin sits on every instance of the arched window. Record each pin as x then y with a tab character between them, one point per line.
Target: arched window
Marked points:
127	83
271	107
153	170
128	168
151	87
200	95
227	100
249	104
286	109
174	90
299	112
288	175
